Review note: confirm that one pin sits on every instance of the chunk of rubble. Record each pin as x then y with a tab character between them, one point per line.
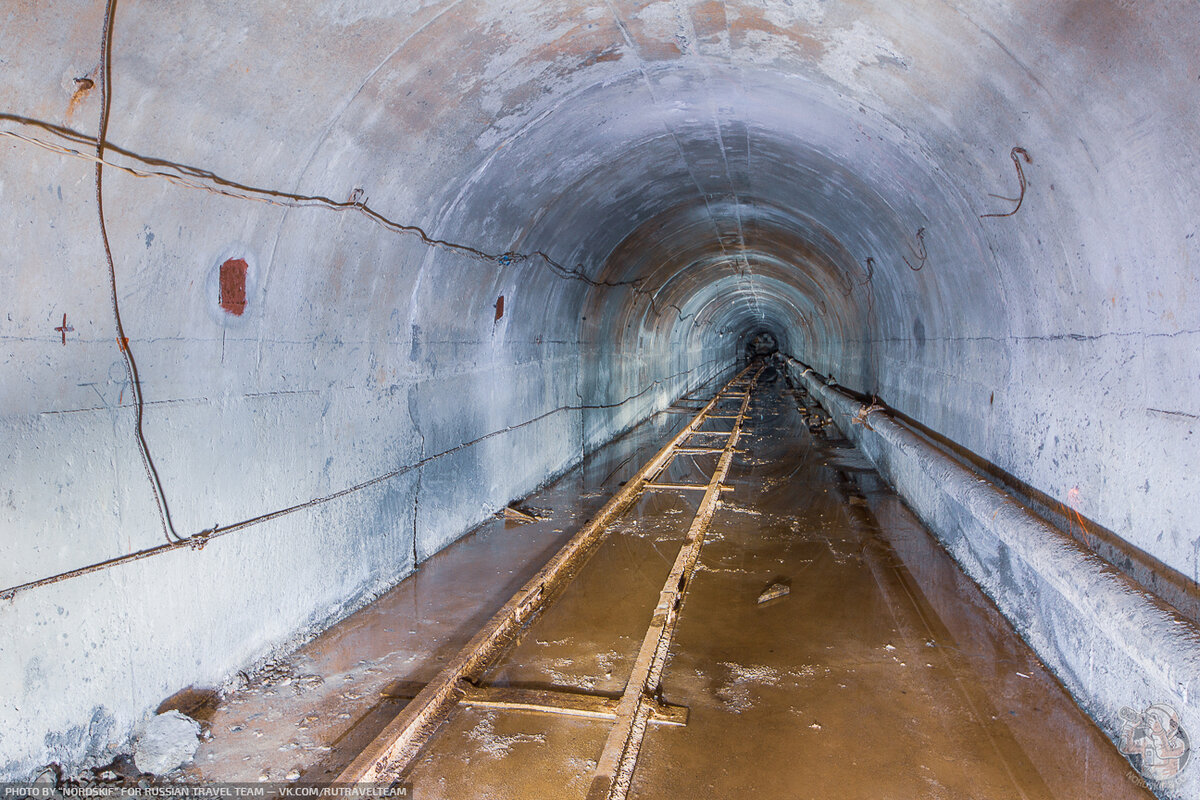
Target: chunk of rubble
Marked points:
516	514
167	742
774	592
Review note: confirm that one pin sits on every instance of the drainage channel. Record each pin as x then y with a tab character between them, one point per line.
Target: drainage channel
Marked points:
390	756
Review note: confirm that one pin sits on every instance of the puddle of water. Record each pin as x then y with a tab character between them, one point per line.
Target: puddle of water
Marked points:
855	684
883	672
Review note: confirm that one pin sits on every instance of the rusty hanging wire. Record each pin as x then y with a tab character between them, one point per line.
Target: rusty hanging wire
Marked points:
870	276
850	284
867	282
920	255
1017	153
131	370
654	306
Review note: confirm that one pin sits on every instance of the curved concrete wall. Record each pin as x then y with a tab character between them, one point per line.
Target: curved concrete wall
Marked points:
645	184
1112	644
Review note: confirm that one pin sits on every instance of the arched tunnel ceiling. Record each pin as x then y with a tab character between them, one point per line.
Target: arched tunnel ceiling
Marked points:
979	212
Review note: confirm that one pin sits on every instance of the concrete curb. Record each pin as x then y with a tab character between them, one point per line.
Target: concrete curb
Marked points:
1112	644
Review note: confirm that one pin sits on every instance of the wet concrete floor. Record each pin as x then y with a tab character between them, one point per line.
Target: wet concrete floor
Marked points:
883	673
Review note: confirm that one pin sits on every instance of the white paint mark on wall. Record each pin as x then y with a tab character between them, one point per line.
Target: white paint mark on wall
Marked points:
859	46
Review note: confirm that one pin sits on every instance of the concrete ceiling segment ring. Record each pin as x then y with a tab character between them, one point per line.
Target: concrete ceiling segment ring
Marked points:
551	221
707	79
623	265
773	250
779	302
788	312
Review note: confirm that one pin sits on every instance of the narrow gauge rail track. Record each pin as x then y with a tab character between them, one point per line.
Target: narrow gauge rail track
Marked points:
391	754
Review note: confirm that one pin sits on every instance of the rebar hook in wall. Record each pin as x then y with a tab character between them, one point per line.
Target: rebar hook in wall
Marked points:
1017	153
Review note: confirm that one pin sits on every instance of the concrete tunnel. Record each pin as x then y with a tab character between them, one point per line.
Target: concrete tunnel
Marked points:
297	296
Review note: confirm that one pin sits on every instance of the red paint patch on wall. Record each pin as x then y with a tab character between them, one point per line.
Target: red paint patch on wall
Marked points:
499	308
233	286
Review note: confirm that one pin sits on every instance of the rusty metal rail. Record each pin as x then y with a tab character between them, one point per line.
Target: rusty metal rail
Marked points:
614	771
391	753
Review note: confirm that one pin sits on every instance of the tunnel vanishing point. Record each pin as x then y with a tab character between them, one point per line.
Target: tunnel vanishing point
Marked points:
296	295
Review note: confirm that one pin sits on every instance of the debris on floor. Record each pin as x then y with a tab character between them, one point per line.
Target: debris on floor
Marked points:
499	745
744	682
120	769
519	514
167	742
774	591
818	420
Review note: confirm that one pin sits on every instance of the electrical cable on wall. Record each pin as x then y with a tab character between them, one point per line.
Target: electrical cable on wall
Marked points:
131	371
195	178
197	541
192	178
265	196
